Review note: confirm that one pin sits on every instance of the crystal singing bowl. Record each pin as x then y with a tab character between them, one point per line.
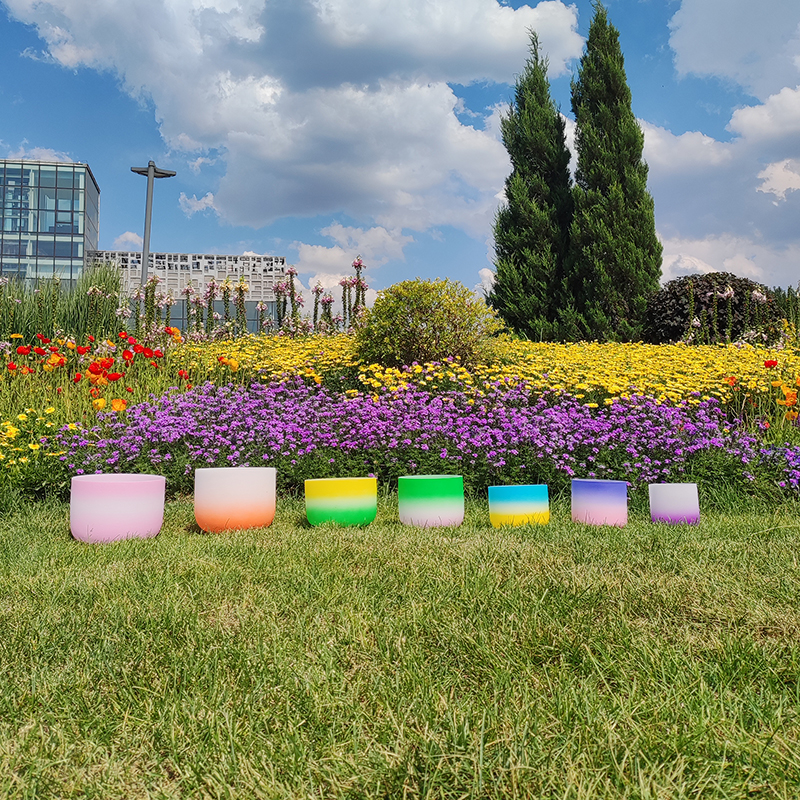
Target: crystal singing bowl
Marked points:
345	501
106	508
234	498
519	505
428	501
599	502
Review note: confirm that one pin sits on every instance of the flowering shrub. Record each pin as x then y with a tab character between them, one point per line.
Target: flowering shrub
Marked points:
506	436
426	321
715	307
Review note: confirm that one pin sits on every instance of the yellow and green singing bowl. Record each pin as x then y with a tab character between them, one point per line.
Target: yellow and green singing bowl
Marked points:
344	501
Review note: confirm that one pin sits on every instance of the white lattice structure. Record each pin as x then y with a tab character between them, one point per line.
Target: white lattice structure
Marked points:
179	270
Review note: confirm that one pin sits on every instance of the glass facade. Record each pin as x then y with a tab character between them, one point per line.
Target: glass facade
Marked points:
50	219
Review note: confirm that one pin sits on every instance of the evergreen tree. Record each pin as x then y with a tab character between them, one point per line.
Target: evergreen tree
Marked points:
614	260
531	228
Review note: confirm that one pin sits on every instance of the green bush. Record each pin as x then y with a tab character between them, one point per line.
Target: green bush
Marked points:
716	307
89	307
426	321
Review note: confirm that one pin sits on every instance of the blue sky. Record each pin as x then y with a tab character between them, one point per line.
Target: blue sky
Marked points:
323	129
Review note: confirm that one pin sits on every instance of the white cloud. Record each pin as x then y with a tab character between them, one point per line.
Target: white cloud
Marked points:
375	245
724	198
454	38
778	117
486	282
128	241
780	178
39	154
192	205
749	258
756	45
663	150
198	163
319	106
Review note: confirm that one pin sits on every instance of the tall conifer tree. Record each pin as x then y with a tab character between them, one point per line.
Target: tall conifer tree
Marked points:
614	260
531	228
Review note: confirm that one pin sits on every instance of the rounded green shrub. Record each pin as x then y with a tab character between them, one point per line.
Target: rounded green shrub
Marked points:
710	308
426	320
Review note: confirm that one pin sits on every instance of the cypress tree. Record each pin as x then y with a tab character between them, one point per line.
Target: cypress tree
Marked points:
614	260
531	228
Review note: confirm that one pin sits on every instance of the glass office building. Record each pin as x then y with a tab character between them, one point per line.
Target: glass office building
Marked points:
50	219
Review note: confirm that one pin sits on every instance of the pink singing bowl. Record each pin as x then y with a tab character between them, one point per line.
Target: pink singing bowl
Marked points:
107	508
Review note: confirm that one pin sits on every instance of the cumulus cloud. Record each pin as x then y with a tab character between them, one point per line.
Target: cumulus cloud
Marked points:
199	162
755	45
39	154
780	178
346	107
192	205
375	245
732	202
750	258
486	282
663	150
128	241
319	106
777	118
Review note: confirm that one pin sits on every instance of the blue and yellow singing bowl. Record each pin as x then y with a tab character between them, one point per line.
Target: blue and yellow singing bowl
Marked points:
519	505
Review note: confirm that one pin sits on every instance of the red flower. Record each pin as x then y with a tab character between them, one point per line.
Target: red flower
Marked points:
138	348
114	376
82	350
123	335
12	366
182	373
53	349
770	364
127	355
59	390
23	350
158	354
90	338
106	363
188	385
148	353
128	389
153	364
40	351
730	381
77	378
42	339
95	368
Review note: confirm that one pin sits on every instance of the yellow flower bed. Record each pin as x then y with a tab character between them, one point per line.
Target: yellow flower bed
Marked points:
269	356
666	372
19	438
591	370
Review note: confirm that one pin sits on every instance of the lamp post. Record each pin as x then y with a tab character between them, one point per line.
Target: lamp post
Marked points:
152	172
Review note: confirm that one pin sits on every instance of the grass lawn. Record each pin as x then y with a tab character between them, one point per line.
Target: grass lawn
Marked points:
564	661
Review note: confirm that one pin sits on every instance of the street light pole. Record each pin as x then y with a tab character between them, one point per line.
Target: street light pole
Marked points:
152	172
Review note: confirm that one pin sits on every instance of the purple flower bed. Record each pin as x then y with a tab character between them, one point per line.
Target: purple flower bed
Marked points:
505	437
